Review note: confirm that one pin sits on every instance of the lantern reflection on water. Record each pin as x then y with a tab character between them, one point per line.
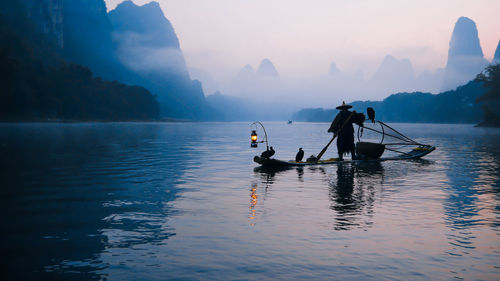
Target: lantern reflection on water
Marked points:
253	203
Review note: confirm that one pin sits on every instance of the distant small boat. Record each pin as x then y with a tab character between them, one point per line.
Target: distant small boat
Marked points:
289	121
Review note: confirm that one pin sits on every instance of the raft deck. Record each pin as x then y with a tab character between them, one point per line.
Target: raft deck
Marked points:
416	153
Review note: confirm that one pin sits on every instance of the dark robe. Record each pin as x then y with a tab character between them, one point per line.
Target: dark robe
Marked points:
345	138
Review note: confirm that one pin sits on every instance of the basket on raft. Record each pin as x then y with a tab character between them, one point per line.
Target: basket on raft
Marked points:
369	150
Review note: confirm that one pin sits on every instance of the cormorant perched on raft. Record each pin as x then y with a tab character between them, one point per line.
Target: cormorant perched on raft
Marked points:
299	155
268	153
371	114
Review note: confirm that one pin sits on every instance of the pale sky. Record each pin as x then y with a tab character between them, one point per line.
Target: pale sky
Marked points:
302	37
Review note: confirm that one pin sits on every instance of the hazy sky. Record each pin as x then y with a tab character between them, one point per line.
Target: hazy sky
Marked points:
302	37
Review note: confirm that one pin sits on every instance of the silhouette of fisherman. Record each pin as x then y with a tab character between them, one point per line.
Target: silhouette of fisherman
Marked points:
345	137
268	153
299	155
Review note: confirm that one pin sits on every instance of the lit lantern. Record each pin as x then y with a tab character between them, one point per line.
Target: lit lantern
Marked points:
254	138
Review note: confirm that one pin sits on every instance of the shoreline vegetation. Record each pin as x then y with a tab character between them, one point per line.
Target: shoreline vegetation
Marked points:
489	124
477	102
490	101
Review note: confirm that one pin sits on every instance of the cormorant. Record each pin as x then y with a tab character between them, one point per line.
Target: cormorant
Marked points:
371	114
268	153
299	155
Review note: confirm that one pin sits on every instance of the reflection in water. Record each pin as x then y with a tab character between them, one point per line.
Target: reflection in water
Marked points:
470	187
102	201
352	190
76	191
352	193
267	178
268	174
253	203
300	174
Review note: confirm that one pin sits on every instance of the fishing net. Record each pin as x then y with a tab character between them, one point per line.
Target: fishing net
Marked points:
391	139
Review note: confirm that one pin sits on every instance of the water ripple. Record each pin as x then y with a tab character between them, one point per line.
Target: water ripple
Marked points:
157	201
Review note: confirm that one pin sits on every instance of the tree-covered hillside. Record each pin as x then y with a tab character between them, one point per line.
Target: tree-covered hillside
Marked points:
37	84
456	106
490	101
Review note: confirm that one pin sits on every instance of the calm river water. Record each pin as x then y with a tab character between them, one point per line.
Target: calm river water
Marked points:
183	201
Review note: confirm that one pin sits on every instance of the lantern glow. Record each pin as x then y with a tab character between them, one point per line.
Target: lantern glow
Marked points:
253	137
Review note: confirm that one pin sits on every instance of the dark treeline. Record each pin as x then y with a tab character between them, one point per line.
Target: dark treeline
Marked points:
37	84
490	101
456	106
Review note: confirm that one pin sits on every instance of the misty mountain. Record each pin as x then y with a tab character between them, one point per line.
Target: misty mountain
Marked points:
429	81
88	38
243	82
233	108
148	22
455	106
209	85
38	84
496	58
393	75
134	45
267	69
246	73
465	56
248	109
147	40
333	70
148	46
263	83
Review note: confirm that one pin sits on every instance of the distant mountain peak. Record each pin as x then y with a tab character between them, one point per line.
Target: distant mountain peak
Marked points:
130	3
465	40
389	57
247	69
126	3
394	75
465	56
267	69
496	58
153	4
391	67
154	7
245	73
334	70
147	41
147	20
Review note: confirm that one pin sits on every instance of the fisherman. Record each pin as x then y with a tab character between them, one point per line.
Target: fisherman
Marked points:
342	126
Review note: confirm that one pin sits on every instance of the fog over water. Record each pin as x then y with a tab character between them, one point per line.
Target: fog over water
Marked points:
324	51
